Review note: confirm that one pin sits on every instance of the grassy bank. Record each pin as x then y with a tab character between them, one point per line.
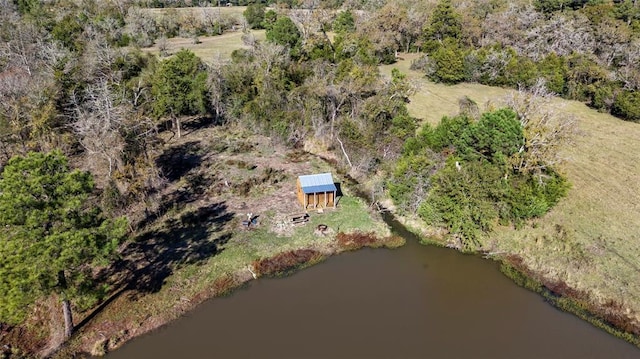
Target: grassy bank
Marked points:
572	301
591	240
197	248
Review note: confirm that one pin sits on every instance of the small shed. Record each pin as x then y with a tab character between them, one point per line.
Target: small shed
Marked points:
317	190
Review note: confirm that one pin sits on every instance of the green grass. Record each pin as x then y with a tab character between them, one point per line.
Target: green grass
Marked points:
591	239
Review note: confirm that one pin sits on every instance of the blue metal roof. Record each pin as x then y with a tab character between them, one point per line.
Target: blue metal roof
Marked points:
322	182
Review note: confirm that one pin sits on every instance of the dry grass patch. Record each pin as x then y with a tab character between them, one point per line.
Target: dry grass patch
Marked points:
209	48
283	263
433	100
228	11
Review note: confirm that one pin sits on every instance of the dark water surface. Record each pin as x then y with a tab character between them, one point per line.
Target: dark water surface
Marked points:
412	302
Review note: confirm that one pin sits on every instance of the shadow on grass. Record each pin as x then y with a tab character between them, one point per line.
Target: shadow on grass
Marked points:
147	261
177	161
187	240
195	185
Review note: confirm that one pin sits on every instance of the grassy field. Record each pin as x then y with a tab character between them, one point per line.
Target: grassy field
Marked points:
209	48
228	11
591	239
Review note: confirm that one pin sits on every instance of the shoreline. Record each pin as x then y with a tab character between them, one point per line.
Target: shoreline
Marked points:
611	317
103	334
280	264
199	249
286	262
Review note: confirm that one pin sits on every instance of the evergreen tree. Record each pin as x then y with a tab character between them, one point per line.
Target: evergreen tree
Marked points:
255	15
344	22
180	87
445	23
447	63
284	32
50	235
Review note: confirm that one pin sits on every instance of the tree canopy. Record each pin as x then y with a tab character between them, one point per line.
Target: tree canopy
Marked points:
255	14
179	86
444	23
462	176
50	233
284	32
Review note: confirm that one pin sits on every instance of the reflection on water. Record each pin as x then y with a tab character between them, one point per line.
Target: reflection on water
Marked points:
412	302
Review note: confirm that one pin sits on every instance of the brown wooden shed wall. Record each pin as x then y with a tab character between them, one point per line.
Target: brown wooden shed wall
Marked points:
319	197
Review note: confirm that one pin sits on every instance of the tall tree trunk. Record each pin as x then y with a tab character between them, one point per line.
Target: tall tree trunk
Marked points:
68	319
176	124
66	307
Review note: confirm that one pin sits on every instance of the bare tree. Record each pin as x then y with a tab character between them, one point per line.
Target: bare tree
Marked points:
27	60
545	126
270	55
142	26
98	121
24	47
215	82
303	19
629	71
98	58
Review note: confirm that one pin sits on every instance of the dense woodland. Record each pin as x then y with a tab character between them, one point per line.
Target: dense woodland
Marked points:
83	109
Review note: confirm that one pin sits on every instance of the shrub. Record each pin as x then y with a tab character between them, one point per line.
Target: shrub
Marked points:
447	63
553	69
627	106
344	22
464	200
458	175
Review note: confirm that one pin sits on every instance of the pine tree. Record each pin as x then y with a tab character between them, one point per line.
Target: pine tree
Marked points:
50	235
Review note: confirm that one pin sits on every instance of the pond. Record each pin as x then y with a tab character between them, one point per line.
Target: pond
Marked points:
412	302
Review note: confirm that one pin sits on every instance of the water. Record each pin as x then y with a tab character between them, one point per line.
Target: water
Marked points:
412	302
